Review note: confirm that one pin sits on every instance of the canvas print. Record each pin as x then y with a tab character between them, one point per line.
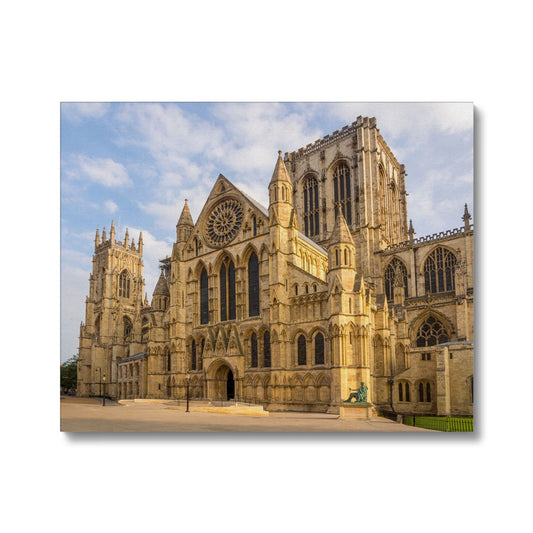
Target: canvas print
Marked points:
267	267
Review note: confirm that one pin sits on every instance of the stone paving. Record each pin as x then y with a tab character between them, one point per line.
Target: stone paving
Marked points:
89	415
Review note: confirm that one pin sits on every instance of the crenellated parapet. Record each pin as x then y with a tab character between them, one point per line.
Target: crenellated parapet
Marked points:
430	239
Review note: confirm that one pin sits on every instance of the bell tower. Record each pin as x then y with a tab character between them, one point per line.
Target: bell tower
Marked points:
112	311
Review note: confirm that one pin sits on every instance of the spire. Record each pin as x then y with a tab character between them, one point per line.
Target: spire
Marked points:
126	239
104	235
411	230
341	232
97	239
185	218
185	224
140	247
466	218
161	288
112	232
280	172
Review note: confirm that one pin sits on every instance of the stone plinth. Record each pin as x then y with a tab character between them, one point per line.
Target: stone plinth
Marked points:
355	410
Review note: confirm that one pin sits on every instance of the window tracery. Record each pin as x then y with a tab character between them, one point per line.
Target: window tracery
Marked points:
253	285
227	291
431	333
302	350
311	206
395	275
319	349
204	298
439	271
342	191
124	285
224	222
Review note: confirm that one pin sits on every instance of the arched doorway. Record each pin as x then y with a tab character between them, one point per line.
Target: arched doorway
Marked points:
221	383
230	386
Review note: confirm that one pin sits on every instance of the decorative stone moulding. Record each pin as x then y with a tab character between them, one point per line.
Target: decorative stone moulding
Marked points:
223	223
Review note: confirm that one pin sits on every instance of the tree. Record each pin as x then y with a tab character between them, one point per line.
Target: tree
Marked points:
69	374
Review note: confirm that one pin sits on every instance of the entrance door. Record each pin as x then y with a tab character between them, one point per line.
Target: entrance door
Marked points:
230	386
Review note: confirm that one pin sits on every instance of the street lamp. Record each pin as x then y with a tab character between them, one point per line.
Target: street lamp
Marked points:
103	397
187	380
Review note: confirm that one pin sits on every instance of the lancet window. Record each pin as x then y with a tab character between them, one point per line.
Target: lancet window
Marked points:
204	298
124	285
266	350
311	206
253	285
302	350
253	349
424	391
227	291
342	191
319	349
193	355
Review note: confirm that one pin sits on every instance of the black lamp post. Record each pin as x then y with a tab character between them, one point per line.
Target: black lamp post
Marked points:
187	379
103	396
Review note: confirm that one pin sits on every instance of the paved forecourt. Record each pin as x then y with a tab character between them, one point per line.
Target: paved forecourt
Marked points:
89	415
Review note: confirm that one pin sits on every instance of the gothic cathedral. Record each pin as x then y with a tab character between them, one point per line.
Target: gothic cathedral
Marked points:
292	306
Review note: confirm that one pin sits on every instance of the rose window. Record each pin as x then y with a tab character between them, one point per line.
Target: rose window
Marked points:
223	223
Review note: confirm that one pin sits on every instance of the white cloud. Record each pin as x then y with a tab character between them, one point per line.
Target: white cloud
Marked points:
76	111
103	171
110	206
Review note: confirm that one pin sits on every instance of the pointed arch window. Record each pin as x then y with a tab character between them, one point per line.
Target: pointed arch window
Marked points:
204	298
395	275
253	285
431	333
200	355
167	358
253	349
124	285
128	329
302	350
227	290
319	349
342	191
424	391
311	206
403	392
193	355
439	271
266	350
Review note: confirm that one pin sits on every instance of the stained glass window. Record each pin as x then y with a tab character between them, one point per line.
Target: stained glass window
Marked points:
266	349
319	349
204	298
431	333
311	206
342	191
395	275
227	291
253	349
253	285
439	271
302	350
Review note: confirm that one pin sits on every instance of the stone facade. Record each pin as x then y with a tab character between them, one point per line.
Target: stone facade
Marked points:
293	305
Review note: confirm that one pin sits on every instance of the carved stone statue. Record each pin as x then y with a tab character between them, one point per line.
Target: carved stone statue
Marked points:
358	394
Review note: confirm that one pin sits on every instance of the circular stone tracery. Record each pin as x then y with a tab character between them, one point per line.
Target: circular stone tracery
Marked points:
223	223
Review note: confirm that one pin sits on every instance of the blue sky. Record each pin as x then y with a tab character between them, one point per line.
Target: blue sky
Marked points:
135	163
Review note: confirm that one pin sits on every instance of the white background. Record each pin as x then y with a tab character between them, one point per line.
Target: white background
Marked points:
243	51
